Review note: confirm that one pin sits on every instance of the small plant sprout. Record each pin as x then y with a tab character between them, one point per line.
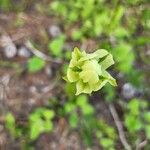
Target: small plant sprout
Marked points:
88	71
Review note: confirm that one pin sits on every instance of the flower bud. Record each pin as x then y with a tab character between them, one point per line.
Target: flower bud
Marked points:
88	71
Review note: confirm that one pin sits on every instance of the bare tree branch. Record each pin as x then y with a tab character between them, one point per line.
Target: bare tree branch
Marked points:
139	145
41	54
119	127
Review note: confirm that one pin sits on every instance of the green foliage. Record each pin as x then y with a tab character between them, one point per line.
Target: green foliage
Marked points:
107	135
88	71
70	90
110	93
5	4
124	56
73	120
95	18
10	124
83	104
40	121
56	46
35	64
77	35
81	116
137	119
80	103
119	26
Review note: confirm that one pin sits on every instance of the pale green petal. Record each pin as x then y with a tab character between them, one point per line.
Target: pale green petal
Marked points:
98	85
76	54
73	63
92	65
87	89
96	55
83	53
88	71
72	76
111	80
87	65
100	53
96	67
83	88
65	78
79	87
89	76
107	62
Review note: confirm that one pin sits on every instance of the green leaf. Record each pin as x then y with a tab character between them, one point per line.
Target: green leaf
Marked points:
73	120
35	64
87	109
69	107
106	142
110	93
76	35
10	124
118	13
40	121
70	90
121	32
81	100
134	106
48	114
133	123
36	129
56	46
147	116
124	56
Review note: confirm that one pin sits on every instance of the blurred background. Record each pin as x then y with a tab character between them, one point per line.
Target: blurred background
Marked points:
38	110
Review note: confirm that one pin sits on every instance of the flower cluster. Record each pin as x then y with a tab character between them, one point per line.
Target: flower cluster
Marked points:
88	71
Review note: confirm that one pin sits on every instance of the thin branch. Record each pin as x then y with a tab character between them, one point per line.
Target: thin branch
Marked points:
40	54
141	145
119	127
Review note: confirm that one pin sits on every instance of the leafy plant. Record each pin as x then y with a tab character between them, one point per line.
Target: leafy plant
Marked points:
56	46
35	64
71	108
78	110
40	121
81	116
124	56
95	18
137	119
10	124
107	135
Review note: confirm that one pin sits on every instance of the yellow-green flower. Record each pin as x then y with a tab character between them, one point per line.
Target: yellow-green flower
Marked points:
88	71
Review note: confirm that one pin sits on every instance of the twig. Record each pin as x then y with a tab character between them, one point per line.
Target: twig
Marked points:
119	127
40	54
141	145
